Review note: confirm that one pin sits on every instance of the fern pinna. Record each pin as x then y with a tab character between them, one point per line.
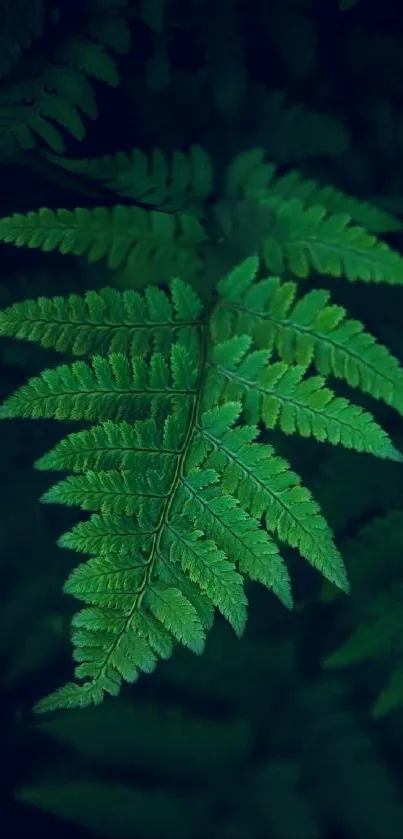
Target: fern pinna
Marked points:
185	500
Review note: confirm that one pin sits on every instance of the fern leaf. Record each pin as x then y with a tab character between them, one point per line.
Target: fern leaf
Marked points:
110	492
181	182
209	568
250	175
52	98
282	396
108	534
111	445
309	330
108	388
305	239
91	58
71	695
124	236
88	51
177	615
311	193
105	322
106	585
267	486
235	531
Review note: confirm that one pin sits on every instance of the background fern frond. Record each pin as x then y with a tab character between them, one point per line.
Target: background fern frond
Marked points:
173	183
88	51
305	239
250	174
52	98
377	638
20	23
312	193
50	95
290	132
124	236
372	628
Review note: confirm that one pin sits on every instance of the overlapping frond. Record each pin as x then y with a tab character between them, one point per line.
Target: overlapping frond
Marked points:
171	183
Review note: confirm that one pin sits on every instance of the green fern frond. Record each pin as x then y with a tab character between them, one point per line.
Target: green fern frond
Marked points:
307	239
111	445
179	182
124	236
177	484
282	396
308	330
73	695
110	492
268	487
312	193
106	321
114	387
250	175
